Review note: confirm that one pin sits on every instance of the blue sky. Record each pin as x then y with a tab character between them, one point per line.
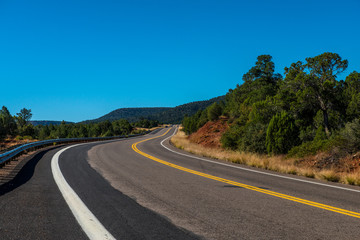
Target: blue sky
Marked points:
78	60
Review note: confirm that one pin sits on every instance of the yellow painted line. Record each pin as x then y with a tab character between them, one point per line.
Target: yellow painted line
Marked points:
256	189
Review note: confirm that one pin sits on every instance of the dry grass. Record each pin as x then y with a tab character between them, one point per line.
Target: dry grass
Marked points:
274	163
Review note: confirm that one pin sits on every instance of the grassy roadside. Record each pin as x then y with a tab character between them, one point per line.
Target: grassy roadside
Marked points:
274	163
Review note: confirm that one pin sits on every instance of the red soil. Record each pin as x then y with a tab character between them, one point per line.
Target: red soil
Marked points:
209	135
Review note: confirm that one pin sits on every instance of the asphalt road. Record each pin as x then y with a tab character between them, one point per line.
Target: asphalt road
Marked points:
137	197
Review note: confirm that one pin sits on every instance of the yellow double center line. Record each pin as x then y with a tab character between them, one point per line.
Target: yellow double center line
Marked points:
256	189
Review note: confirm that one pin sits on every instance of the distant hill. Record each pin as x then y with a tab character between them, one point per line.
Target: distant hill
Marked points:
176	114
131	114
161	114
44	122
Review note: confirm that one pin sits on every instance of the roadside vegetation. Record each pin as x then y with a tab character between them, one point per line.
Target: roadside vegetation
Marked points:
18	129
306	119
277	163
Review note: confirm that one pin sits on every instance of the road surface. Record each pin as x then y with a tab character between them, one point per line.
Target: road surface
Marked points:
142	188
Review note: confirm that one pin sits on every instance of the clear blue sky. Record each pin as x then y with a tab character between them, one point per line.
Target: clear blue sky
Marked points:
77	60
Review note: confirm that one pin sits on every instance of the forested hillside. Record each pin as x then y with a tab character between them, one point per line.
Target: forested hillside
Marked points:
45	122
307	110
160	114
176	114
130	114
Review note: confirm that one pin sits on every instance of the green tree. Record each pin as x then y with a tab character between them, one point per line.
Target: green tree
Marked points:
352	95
122	127
321	81
27	130
281	134
214	111
2	132
44	132
310	87
24	116
260	82
7	121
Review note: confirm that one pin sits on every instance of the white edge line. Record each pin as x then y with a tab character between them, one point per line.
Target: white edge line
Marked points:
88	222
255	171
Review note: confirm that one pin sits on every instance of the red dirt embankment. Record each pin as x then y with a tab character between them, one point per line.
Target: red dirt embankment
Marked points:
209	135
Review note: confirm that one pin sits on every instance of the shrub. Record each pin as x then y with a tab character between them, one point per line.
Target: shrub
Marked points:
281	134
214	111
28	138
19	138
350	136
253	138
308	148
230	138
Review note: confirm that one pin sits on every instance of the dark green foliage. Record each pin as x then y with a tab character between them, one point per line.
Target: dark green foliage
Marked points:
23	117
352	95
8	122
162	115
349	138
214	111
250	137
310	108
260	82
231	137
146	123
2	132
253	137
24	129
282	134
308	148
252	104
123	127
131	114
202	119
44	132
211	113
47	123
175	115
191	124
320	85
79	130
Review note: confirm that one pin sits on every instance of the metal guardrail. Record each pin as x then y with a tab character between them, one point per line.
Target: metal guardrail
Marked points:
12	154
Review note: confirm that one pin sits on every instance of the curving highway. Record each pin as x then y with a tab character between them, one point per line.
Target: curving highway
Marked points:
144	188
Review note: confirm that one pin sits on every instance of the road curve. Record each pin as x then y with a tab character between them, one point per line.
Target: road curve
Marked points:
136	197
218	210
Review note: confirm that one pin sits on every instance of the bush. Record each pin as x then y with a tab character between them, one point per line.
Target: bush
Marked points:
27	130
253	138
214	111
28	138
18	138
349	138
281	134
230	138
308	148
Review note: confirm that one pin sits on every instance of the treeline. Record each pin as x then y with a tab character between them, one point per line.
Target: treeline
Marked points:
146	123
19	126
15	125
305	111
79	130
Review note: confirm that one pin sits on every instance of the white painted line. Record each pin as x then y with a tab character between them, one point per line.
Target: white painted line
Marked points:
88	222
255	171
